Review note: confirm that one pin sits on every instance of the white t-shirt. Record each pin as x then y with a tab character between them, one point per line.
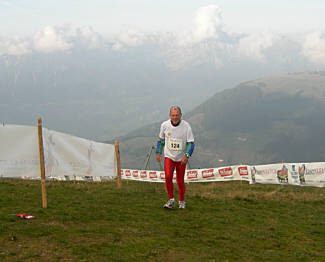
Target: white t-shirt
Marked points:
175	139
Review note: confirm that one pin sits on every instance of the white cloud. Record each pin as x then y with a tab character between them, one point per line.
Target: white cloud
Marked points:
203	43
208	22
254	46
179	57
52	39
314	47
88	38
207	41
15	47
129	38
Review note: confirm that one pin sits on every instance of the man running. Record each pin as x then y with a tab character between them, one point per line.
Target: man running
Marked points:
177	139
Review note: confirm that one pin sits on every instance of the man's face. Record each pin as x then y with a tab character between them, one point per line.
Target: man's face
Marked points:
175	116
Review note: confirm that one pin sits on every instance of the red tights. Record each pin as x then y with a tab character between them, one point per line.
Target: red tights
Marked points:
169	166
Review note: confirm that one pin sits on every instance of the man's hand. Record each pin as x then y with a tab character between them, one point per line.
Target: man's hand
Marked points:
184	160
158	157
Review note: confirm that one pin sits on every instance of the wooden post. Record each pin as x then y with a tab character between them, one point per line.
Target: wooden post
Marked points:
41	160
118	164
241	181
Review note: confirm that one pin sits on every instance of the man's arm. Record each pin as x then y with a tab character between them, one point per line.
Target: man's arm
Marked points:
189	149
159	147
188	152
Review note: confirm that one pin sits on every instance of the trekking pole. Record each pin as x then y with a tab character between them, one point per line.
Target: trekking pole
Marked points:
188	164
160	166
148	158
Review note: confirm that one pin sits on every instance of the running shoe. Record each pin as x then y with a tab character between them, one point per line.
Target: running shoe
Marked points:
181	204
170	204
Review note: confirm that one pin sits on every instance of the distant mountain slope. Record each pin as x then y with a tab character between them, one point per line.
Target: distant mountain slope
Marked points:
262	121
98	94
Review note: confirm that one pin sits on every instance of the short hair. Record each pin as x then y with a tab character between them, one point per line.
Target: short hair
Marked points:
177	108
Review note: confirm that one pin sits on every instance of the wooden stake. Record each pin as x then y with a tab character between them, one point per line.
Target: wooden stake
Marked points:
118	164
41	160
241	181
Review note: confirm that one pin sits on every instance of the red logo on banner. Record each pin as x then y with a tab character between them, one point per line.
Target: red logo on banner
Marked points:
135	173
243	171
152	174
225	171
191	174
127	173
122	172
162	175
207	173
143	174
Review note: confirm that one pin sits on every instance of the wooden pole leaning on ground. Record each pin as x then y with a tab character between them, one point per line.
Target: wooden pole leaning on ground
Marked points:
41	160
118	164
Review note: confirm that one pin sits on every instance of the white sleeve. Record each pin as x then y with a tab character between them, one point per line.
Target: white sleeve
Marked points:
190	136
162	132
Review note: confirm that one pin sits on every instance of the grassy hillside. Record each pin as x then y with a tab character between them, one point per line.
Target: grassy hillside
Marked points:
258	122
230	221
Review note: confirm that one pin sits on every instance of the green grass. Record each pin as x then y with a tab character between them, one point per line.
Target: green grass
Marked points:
225	221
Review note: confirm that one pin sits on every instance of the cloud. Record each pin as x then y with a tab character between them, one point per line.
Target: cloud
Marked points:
52	39
208	23
16	47
254	46
180	47
88	38
313	47
205	42
129	38
180	57
209	42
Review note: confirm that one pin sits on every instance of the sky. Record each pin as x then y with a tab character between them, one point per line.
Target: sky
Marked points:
21	18
228	30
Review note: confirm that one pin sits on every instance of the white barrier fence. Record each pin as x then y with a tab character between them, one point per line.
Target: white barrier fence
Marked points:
19	155
302	174
72	158
66	157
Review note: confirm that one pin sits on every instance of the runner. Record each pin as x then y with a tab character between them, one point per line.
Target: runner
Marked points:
177	139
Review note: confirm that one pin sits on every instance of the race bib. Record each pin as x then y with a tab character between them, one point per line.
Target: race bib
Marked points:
175	145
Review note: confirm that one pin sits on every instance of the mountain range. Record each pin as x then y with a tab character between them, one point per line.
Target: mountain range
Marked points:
99	94
267	120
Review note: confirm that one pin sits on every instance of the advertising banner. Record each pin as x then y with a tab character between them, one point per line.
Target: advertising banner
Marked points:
193	175
269	174
307	174
302	174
